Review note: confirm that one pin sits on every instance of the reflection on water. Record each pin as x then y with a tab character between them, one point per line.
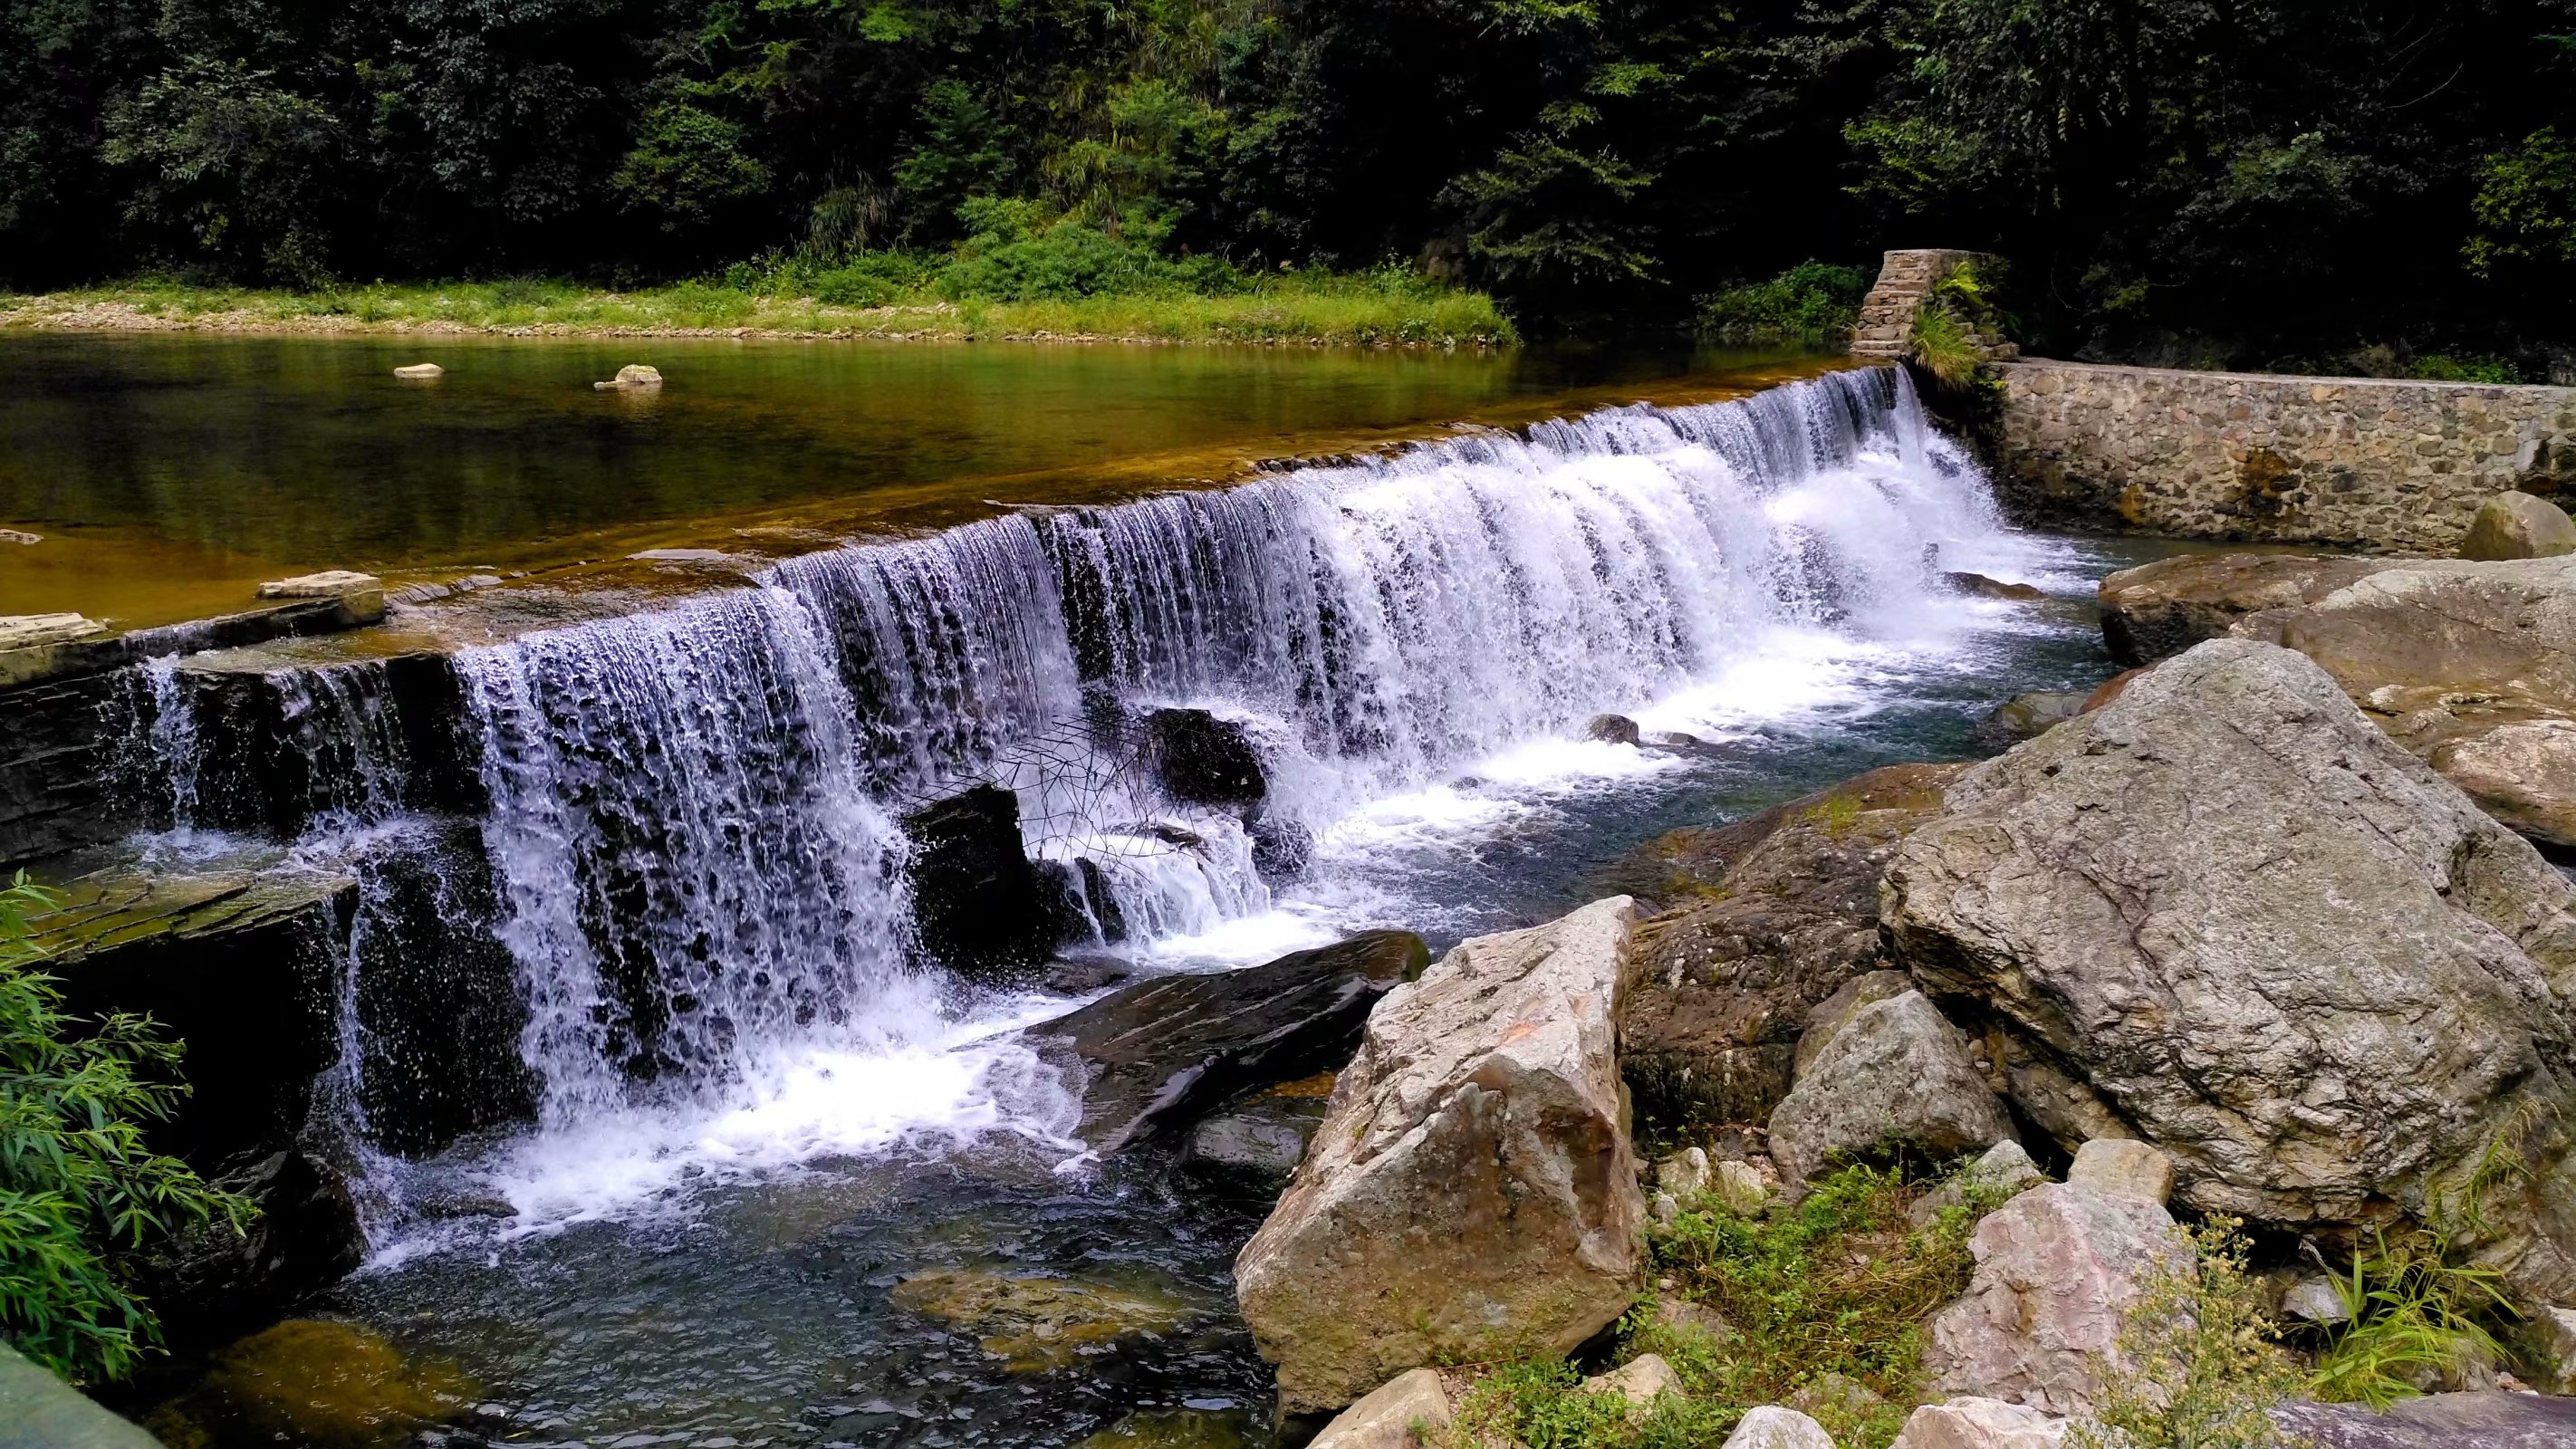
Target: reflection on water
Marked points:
167	472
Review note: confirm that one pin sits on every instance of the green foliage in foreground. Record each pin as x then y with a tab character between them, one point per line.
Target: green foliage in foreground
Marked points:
2201	1365
2410	1314
79	1190
1813	302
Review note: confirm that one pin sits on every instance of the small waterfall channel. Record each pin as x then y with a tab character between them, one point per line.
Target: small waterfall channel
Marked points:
639	909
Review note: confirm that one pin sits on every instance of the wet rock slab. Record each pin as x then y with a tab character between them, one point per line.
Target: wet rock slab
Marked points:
1162	1053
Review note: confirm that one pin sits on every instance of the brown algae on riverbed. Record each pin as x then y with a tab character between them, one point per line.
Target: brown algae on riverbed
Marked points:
320	1382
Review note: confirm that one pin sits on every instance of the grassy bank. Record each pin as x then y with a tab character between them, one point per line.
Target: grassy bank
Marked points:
1362	309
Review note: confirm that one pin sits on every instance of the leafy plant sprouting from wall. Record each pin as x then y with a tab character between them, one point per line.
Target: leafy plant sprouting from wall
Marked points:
80	1192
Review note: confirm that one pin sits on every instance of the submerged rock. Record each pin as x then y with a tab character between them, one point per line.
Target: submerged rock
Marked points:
1174	1429
1777	913
1895	1076
1472	1191
2057	1269
1162	1053
2276	945
2027	716
1266	1133
1035	1324
2158	610
2518	525
319	1382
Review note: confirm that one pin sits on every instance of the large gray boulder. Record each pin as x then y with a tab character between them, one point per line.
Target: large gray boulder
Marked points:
1968	1422
2058	1268
1471	1193
2275	944
2518	525
1895	1075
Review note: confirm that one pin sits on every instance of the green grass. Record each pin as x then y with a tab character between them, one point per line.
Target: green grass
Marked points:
2410	1313
1350	309
1841	1285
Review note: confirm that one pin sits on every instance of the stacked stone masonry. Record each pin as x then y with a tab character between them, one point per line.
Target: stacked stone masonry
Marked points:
2387	465
1905	278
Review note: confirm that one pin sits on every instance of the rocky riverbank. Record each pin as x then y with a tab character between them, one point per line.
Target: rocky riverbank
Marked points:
2205	1057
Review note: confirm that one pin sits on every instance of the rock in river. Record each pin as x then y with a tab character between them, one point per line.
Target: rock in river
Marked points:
1204	760
1778	912
2275	944
1472	1192
1163	1053
2518	525
2158	610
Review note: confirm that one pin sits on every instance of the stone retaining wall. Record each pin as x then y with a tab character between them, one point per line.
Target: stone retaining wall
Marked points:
2370	463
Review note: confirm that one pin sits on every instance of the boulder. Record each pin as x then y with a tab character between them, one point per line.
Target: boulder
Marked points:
2004	1171
1780	911
209	1280
2518	525
2123	1168
1974	1423
1160	1054
2551	1338
1266	1135
1471	1192
982	907
2493	1419
2157	610
2313	1299
2057	1269
633	377
1686	1174
1611	729
2521	771
1773	1427
420	372
1640	1381
2034	713
1408	1411
244	967
1895	1076
1204	760
2471	666
1740	1188
1982	587
2284	950
1834	1012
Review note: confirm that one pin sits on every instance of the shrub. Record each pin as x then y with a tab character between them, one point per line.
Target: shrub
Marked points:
2410	1315
2198	1364
2439	367
1813	302
80	1193
873	279
1944	347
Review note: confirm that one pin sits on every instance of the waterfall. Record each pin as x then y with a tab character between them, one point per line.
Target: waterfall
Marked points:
693	819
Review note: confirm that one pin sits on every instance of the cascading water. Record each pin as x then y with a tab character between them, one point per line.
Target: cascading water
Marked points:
693	812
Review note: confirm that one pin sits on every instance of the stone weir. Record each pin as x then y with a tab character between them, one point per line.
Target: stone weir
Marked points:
524	851
2389	465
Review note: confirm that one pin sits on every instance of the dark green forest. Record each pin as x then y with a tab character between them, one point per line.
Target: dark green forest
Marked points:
2244	182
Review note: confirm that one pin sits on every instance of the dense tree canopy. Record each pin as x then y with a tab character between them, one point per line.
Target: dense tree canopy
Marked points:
2242	181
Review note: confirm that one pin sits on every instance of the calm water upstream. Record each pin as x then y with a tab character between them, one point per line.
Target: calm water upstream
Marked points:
689	837
169	474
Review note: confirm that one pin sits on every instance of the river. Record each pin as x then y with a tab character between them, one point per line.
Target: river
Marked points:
753	1112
